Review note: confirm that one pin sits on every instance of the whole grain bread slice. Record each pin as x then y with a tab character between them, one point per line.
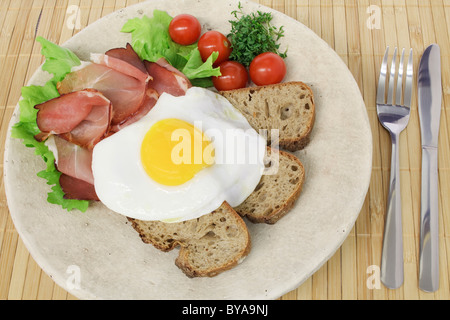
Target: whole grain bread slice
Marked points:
277	192
208	245
288	107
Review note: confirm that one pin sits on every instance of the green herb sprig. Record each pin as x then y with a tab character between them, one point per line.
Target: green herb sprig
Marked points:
252	34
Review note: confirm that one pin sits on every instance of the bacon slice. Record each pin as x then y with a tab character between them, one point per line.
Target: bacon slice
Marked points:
82	117
165	80
126	93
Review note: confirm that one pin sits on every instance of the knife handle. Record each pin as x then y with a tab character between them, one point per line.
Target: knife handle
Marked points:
392	254
429	228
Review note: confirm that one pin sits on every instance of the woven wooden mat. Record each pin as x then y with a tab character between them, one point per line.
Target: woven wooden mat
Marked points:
359	31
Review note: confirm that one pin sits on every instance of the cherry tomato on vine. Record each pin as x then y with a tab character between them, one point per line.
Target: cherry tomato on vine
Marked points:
212	41
267	68
185	29
234	76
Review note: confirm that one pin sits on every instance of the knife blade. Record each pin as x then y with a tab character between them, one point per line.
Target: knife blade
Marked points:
430	99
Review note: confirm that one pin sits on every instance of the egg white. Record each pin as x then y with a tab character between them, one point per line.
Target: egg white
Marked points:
123	186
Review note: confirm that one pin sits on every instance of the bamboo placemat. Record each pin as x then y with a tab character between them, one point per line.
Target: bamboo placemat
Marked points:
359	31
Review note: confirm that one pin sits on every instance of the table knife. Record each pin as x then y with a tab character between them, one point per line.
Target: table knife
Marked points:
430	99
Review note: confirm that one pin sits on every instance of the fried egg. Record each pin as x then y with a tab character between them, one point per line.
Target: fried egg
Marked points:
182	160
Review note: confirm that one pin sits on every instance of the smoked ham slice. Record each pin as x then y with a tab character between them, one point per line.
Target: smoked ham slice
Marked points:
82	117
129	56
121	66
71	159
77	189
150	100
166	80
164	63
74	163
126	93
124	60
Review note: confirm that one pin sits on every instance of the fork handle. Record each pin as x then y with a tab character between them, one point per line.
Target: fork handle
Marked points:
392	255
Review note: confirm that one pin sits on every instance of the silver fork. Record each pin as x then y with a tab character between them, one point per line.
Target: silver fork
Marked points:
394	116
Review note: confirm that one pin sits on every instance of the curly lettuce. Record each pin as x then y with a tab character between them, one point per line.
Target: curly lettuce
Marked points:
151	41
59	62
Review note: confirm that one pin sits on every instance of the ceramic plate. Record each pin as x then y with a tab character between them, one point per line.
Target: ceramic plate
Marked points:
98	255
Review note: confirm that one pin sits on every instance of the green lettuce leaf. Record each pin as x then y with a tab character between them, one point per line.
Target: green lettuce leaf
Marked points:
151	41
196	69
149	36
59	62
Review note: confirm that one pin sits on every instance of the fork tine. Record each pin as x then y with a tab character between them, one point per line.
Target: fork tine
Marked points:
381	92
390	99
398	94
409	81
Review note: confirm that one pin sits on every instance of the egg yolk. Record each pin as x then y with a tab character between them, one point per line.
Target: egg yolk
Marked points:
174	151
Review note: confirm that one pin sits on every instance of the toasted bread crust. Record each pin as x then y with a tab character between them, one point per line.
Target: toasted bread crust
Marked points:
190	236
270	213
259	117
183	261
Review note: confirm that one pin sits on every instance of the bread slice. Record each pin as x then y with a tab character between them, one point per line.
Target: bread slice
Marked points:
209	245
288	107
277	193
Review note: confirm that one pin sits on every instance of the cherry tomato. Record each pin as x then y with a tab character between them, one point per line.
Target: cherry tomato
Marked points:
267	68
185	29
234	76
213	41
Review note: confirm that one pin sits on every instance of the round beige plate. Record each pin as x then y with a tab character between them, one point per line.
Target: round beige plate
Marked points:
98	255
